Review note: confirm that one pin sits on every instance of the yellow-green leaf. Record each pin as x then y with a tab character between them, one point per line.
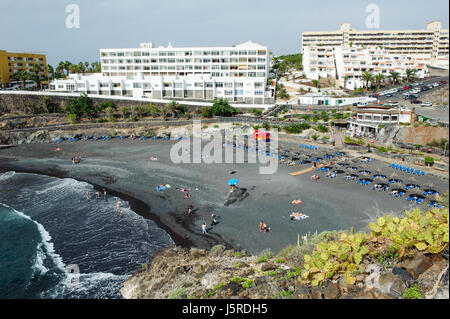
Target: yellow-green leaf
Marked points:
421	246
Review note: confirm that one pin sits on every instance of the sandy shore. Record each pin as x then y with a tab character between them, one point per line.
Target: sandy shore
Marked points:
124	168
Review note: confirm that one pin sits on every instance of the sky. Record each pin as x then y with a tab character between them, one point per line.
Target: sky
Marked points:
41	25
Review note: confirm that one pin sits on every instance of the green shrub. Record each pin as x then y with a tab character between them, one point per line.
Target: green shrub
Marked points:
73	118
429	160
412	293
176	293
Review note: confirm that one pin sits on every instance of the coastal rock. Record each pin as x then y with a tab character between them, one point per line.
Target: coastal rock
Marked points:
235	195
391	285
404	275
417	265
432	279
331	290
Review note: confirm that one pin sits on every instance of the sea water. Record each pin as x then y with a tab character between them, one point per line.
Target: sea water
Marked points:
54	243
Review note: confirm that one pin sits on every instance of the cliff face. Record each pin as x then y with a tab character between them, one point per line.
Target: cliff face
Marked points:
177	272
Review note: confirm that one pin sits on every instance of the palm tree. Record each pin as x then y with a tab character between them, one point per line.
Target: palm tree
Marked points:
50	70
164	111
379	78
60	68
36	69
141	110
395	76
410	74
67	66
345	80
109	110
152	109
124	110
173	107
21	76
368	77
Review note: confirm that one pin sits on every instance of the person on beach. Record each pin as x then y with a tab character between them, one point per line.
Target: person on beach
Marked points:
118	204
261	224
186	195
190	209
87	195
121	213
204	228
97	195
104	194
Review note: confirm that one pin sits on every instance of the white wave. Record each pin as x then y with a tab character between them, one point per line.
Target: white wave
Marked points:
44	248
63	183
6	175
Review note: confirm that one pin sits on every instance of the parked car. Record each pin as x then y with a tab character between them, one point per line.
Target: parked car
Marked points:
426	104
424	88
416	102
444	82
388	95
362	104
405	87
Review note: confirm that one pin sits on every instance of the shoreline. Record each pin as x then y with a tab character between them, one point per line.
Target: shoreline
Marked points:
123	168
138	206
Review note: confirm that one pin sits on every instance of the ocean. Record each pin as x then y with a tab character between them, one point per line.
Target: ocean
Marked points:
54	243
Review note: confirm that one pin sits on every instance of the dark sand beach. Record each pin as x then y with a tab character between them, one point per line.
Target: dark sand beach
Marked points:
125	169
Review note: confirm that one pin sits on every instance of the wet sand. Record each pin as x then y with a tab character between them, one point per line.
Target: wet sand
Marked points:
124	168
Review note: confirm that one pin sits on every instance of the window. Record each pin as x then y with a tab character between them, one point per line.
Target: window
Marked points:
219	84
385	118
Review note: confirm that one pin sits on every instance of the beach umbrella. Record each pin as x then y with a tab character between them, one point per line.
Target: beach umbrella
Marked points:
297	202
233	181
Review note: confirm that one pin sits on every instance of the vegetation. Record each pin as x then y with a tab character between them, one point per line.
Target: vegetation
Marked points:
412	292
427	232
428	160
221	107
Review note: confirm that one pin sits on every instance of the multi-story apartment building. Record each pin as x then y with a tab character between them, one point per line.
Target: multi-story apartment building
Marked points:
10	63
348	64
238	73
430	44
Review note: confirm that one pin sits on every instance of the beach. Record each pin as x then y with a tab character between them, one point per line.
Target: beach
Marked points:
125	169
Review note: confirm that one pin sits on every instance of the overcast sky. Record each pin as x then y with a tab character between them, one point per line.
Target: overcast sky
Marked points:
40	25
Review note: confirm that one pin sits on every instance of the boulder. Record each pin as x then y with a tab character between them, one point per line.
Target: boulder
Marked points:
417	265
331	290
404	275
316	292
391	285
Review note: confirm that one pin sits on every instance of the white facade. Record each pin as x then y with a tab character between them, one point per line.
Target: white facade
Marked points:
237	73
348	64
430	44
328	100
370	119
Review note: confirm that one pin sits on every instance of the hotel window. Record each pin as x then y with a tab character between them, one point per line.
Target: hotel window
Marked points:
206	60
394	118
209	84
242	60
215	53
252	52
239	92
138	53
377	118
171	60
360	116
219	84
198	84
385	118
368	117
261	52
188	53
239	84
145	53
261	67
228	84
171	67
215	67
216	74
228	92
70	87
206	52
171	53
162	53
178	85
261	59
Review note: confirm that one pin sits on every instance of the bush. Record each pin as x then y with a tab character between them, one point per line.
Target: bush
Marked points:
429	160
322	128
207	112
412	293
73	118
222	108
314	137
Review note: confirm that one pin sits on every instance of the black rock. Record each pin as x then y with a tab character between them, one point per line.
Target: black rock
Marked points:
404	275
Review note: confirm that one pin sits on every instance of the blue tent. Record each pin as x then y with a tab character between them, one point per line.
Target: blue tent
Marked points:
233	181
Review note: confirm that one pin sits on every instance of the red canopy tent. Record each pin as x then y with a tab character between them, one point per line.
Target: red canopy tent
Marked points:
261	135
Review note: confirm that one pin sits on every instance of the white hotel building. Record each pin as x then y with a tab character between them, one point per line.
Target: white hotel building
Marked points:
430	45
347	64
238	74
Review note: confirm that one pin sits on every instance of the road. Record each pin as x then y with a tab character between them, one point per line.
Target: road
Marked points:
398	96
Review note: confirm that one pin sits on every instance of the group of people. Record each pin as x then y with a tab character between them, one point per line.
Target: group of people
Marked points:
331	175
263	227
379	187
76	159
315	177
297	216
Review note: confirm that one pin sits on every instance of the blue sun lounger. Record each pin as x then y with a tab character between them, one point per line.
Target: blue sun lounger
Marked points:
419	200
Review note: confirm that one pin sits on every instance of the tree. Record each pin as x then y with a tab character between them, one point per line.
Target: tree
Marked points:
124	110
206	112
345	81
176	108
81	106
141	109
152	109
410	74
36	69
379	78
367	77
21	76
395	76
67	66
222	108
50	71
